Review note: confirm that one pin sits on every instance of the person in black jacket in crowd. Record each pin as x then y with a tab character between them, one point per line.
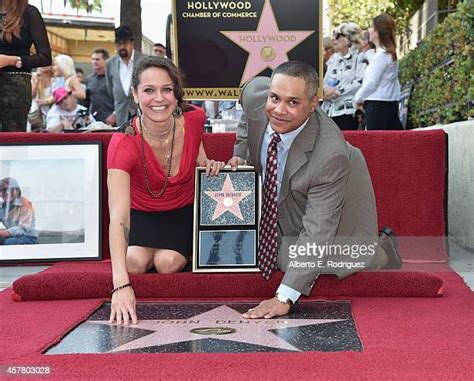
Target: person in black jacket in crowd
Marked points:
21	26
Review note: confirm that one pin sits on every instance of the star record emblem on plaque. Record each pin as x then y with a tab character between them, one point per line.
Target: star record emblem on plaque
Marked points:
228	199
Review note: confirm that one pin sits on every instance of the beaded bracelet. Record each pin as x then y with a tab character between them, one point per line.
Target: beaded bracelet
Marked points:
120	287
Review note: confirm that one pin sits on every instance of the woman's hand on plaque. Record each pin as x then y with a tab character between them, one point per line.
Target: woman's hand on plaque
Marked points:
213	167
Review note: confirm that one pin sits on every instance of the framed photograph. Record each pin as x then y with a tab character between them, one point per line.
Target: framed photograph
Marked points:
226	216
50	202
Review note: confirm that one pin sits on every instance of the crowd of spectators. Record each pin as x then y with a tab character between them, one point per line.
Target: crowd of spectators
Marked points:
360	85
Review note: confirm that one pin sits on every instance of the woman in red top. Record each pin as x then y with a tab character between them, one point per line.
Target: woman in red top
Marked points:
151	182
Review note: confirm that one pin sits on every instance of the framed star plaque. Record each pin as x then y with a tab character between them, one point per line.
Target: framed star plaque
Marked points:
226	215
220	45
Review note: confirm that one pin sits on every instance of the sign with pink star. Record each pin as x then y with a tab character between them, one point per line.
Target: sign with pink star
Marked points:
268	45
228	199
220	45
226	220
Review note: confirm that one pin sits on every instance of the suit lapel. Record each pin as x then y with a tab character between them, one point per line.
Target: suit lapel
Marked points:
298	153
117	68
261	122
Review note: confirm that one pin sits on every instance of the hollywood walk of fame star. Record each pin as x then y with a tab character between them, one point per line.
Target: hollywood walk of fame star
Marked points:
219	319
228	199
268	45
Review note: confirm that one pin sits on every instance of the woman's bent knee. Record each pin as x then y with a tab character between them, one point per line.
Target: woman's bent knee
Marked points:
169	261
139	260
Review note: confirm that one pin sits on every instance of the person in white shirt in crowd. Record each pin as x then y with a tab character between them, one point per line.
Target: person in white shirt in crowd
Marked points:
380	91
367	47
65	76
118	73
66	114
344	76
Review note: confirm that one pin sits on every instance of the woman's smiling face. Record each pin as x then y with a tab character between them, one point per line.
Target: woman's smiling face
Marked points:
155	95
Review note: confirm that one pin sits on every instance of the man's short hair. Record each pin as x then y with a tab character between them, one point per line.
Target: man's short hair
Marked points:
104	52
300	69
159	45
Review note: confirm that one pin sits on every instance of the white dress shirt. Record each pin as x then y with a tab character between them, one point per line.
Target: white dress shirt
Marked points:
380	81
283	148
125	72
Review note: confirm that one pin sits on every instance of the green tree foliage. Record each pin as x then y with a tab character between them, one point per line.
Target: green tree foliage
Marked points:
441	71
363	11
88	5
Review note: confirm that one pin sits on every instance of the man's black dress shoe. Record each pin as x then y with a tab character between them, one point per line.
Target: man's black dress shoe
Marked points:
388	241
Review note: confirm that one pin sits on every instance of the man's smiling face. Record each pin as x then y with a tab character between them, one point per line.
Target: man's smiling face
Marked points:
289	103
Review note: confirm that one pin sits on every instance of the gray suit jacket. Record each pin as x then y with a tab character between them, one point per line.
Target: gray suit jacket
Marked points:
123	104
326	193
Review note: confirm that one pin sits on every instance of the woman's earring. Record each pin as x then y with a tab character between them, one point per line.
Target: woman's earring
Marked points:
178	111
139	111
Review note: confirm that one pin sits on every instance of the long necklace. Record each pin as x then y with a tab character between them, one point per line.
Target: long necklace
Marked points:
169	160
157	135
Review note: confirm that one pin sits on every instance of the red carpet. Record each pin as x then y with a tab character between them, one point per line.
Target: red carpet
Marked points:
403	338
94	280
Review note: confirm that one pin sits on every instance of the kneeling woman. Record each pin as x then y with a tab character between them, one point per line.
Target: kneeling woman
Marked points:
151	169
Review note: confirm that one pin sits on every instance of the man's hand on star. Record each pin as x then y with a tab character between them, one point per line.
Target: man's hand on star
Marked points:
267	309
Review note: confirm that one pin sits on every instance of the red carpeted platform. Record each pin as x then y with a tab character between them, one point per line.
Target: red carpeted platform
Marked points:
408	171
403	338
94	280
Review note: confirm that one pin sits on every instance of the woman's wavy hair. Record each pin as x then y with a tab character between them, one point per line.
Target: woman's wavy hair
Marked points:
13	21
384	25
351	31
66	64
147	62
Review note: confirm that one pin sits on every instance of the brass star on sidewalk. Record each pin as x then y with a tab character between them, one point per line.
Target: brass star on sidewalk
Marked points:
221	323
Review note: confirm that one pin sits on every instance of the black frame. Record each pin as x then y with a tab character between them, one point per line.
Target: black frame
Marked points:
200	229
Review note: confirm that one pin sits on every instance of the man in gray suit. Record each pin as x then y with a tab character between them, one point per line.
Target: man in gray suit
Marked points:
119	70
324	190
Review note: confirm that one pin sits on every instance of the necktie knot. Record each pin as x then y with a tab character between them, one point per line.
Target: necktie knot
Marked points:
272	147
276	138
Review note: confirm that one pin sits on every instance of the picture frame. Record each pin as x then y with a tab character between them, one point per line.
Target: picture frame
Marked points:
51	202
226	218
